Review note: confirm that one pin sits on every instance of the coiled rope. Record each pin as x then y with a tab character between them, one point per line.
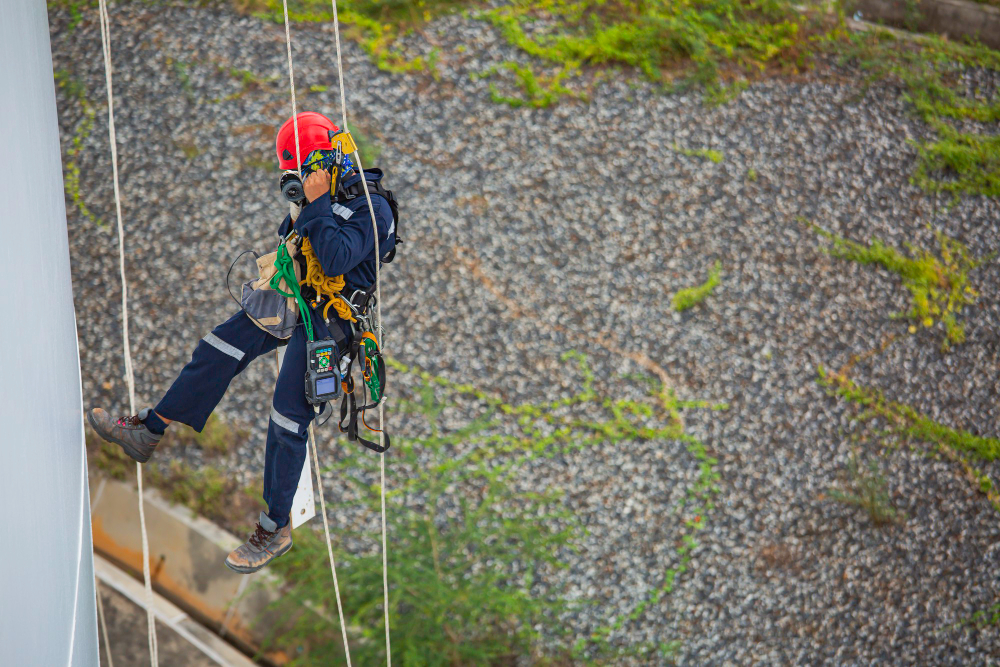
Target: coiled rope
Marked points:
129	377
312	424
325	286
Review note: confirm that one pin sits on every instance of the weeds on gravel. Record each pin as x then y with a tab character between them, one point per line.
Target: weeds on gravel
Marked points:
538	92
979	620
218	438
375	24
75	8
675	44
867	488
203	490
697	504
248	81
460	579
964	156
938	283
468	545
716	43
75	92
708	153
692	296
107	457
904	422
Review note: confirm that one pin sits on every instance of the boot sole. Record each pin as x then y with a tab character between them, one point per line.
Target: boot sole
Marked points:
250	570
129	449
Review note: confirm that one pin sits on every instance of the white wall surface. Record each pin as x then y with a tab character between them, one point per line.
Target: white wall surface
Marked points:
47	604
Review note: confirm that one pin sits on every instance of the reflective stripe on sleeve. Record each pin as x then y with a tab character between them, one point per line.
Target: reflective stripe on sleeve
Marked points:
342	211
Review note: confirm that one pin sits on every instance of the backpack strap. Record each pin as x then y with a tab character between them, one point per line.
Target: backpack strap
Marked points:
376	187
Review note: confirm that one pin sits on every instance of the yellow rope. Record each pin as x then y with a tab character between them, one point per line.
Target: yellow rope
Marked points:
324	286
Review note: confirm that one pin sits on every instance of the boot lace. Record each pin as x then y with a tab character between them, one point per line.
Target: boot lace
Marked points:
129	422
261	536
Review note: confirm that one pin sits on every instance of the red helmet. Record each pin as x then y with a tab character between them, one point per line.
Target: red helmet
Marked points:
315	131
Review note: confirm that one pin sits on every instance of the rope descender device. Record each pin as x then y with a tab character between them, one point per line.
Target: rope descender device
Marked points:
365	349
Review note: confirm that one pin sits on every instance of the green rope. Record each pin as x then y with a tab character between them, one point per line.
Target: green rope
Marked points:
286	271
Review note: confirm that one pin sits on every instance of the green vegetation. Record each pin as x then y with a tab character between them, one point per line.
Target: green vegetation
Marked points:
368	147
375	24
538	92
938	283
75	91
675	44
218	438
692	296
107	457
708	153
867	489
907	424
467	545
719	45
203	490
75	8
457	592
979	620
905	421
249	81
959	160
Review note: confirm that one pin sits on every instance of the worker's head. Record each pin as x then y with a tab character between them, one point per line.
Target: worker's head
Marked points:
315	132
315	150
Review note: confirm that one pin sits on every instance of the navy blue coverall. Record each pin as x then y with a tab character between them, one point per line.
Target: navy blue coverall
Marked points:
341	235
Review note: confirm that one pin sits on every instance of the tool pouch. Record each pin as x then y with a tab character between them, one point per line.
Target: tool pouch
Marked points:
272	312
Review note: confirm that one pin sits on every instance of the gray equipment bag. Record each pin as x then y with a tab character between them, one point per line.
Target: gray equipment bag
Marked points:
272	312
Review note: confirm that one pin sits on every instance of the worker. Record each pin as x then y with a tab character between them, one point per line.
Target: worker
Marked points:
339	228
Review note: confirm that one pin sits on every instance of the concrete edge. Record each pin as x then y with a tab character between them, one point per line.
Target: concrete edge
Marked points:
186	564
214	647
950	18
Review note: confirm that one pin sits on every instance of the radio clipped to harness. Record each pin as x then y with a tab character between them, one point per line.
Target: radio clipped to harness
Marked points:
322	371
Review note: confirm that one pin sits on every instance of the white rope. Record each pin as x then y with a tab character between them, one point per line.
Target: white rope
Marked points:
129	377
312	430
104	623
329	545
291	84
378	333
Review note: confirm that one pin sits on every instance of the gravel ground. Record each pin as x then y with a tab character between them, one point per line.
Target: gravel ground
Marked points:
584	216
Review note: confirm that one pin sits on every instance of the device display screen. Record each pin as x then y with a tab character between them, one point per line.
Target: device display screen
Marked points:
326	386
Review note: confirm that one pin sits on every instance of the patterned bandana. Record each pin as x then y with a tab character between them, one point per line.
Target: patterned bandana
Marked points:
322	159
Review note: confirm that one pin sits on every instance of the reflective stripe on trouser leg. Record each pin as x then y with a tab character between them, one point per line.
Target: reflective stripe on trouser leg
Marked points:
218	357
287	437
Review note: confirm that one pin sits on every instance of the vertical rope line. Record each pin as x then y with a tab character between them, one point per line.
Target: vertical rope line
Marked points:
104	624
312	430
129	377
329	545
291	83
378	334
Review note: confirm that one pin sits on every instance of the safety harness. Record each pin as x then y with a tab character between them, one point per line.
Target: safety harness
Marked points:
358	309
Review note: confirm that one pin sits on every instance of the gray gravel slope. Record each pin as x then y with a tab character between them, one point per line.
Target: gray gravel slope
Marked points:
585	216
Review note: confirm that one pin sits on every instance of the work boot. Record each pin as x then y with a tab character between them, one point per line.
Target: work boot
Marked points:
267	543
128	432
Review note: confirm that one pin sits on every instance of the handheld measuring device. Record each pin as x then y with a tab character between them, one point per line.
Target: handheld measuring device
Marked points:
322	371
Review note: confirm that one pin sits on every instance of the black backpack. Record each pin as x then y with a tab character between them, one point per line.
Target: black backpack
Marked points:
375	187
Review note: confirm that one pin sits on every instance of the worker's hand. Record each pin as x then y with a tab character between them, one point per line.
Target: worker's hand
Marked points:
317	184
